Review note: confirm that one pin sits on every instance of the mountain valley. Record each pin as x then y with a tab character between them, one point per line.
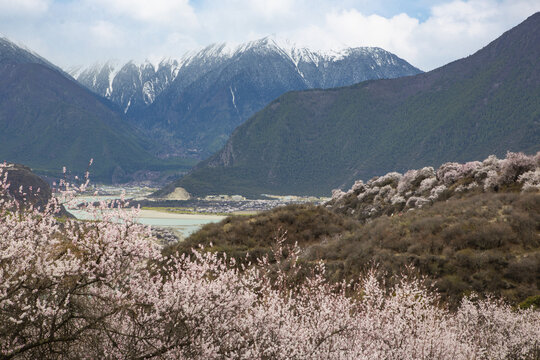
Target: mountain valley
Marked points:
192	105
310	142
48	121
265	199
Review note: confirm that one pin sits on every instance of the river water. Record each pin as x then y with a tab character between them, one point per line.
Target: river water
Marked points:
185	224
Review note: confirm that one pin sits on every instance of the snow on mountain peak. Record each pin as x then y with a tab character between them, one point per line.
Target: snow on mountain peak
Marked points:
218	52
135	85
288	48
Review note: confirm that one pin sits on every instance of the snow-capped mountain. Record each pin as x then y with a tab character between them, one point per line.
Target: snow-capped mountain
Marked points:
194	103
130	86
309	142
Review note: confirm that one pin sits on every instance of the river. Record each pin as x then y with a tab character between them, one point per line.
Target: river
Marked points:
185	224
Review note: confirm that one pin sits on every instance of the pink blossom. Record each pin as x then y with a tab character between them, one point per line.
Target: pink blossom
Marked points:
103	290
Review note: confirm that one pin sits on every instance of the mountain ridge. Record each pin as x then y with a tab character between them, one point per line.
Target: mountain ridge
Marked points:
48	120
213	90
485	103
11	53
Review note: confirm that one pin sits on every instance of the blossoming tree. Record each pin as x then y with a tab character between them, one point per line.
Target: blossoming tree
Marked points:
102	289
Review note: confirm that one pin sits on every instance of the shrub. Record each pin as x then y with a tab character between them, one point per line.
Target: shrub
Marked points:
393	192
473	238
103	289
532	302
514	165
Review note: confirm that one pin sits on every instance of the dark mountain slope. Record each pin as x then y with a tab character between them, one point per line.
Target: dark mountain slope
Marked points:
14	54
312	141
48	120
20	177
191	106
35	190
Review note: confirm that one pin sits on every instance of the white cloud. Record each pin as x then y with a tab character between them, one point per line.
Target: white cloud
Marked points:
106	35
175	13
23	8
453	30
351	28
271	9
460	28
82	31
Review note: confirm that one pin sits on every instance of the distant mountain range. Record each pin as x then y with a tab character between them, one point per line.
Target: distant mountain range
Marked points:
191	106
309	142
48	120
143	121
130	86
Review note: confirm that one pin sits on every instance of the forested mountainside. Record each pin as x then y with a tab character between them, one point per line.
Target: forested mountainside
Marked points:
310	142
193	104
48	120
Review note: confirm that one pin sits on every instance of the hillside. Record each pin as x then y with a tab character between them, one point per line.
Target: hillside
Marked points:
192	105
468	227
23	185
310	142
11	53
48	120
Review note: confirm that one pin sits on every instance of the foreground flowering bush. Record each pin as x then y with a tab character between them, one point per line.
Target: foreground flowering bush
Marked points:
103	290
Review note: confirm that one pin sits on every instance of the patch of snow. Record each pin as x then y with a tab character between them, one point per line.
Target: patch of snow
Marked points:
127	107
113	69
149	94
174	72
232	94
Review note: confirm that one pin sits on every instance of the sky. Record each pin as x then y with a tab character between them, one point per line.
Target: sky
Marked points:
428	34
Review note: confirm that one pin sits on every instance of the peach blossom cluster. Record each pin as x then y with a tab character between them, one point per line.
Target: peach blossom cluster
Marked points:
102	289
395	192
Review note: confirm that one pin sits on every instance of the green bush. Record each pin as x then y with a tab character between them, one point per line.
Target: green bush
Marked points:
483	243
